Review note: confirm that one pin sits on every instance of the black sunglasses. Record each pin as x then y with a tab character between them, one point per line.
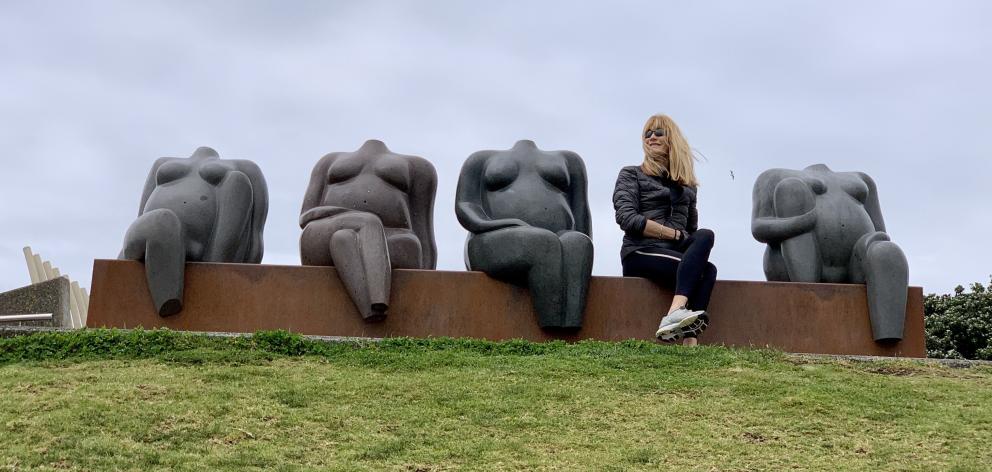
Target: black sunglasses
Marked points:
656	132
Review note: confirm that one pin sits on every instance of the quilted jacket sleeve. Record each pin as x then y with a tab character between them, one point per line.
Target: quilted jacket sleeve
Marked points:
626	202
693	222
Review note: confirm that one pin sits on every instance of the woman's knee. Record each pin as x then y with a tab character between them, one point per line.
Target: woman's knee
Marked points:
709	271
704	236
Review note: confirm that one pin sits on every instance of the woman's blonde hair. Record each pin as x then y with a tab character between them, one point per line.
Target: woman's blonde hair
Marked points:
678	161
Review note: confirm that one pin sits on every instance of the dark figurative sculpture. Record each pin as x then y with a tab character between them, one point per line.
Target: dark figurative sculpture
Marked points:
365	213
528	216
826	226
198	209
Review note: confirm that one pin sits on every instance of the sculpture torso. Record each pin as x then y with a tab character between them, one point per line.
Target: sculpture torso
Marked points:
187	187
531	186
841	217
374	183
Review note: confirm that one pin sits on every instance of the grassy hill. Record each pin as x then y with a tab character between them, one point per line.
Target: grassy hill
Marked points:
160	400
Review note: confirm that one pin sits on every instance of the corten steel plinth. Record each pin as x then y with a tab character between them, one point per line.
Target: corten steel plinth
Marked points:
794	317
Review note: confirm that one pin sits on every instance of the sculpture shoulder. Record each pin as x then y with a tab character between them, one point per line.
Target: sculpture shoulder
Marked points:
253	171
764	185
481	155
327	159
162	160
476	160
773	176
870	182
422	167
244	165
573	159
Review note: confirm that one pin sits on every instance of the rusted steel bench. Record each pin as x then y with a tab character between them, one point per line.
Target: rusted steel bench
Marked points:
793	317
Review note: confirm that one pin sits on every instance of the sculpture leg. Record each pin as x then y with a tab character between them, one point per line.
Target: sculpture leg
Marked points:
793	197
356	245
526	256
577	255
404	250
156	238
882	267
774	264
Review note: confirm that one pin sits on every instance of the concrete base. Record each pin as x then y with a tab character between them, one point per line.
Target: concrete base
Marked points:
793	317
51	296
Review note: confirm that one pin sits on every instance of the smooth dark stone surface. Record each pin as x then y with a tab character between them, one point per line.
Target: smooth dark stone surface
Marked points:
528	214
196	209
826	226
51	296
368	212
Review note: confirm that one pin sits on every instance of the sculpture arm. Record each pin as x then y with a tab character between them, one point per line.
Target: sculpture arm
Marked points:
872	206
766	227
579	193
234	209
150	183
773	229
259	209
315	189
468	198
422	208
627	203
319	212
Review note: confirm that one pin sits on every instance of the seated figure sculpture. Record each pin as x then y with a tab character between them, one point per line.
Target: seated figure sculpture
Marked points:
198	209
826	226
368	212
528	217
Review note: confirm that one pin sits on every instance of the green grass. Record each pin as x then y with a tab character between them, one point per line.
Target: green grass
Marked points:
160	400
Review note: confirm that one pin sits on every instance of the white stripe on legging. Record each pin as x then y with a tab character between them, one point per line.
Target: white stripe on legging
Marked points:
658	255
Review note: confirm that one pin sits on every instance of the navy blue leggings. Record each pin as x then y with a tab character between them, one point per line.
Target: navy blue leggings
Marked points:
686	267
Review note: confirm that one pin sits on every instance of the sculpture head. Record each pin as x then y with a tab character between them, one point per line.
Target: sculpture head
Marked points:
667	151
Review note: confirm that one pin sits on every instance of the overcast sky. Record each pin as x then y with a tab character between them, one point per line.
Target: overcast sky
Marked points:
91	93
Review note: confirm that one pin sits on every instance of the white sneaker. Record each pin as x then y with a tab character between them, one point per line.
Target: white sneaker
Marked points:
697	327
671	325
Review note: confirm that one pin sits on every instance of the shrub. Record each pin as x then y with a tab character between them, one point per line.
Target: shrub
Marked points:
959	326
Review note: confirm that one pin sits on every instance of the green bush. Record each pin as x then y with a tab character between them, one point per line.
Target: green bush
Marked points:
959	326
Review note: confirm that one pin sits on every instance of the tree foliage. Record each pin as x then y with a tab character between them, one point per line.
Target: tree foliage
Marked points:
959	325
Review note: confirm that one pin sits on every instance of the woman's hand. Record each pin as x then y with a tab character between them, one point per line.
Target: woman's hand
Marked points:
656	230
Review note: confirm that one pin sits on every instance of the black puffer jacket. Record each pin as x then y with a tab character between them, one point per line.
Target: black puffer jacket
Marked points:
638	197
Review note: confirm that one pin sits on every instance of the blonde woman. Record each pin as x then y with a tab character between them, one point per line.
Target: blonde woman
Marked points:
655	205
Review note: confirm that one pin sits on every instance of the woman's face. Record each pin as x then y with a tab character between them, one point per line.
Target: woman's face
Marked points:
656	140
